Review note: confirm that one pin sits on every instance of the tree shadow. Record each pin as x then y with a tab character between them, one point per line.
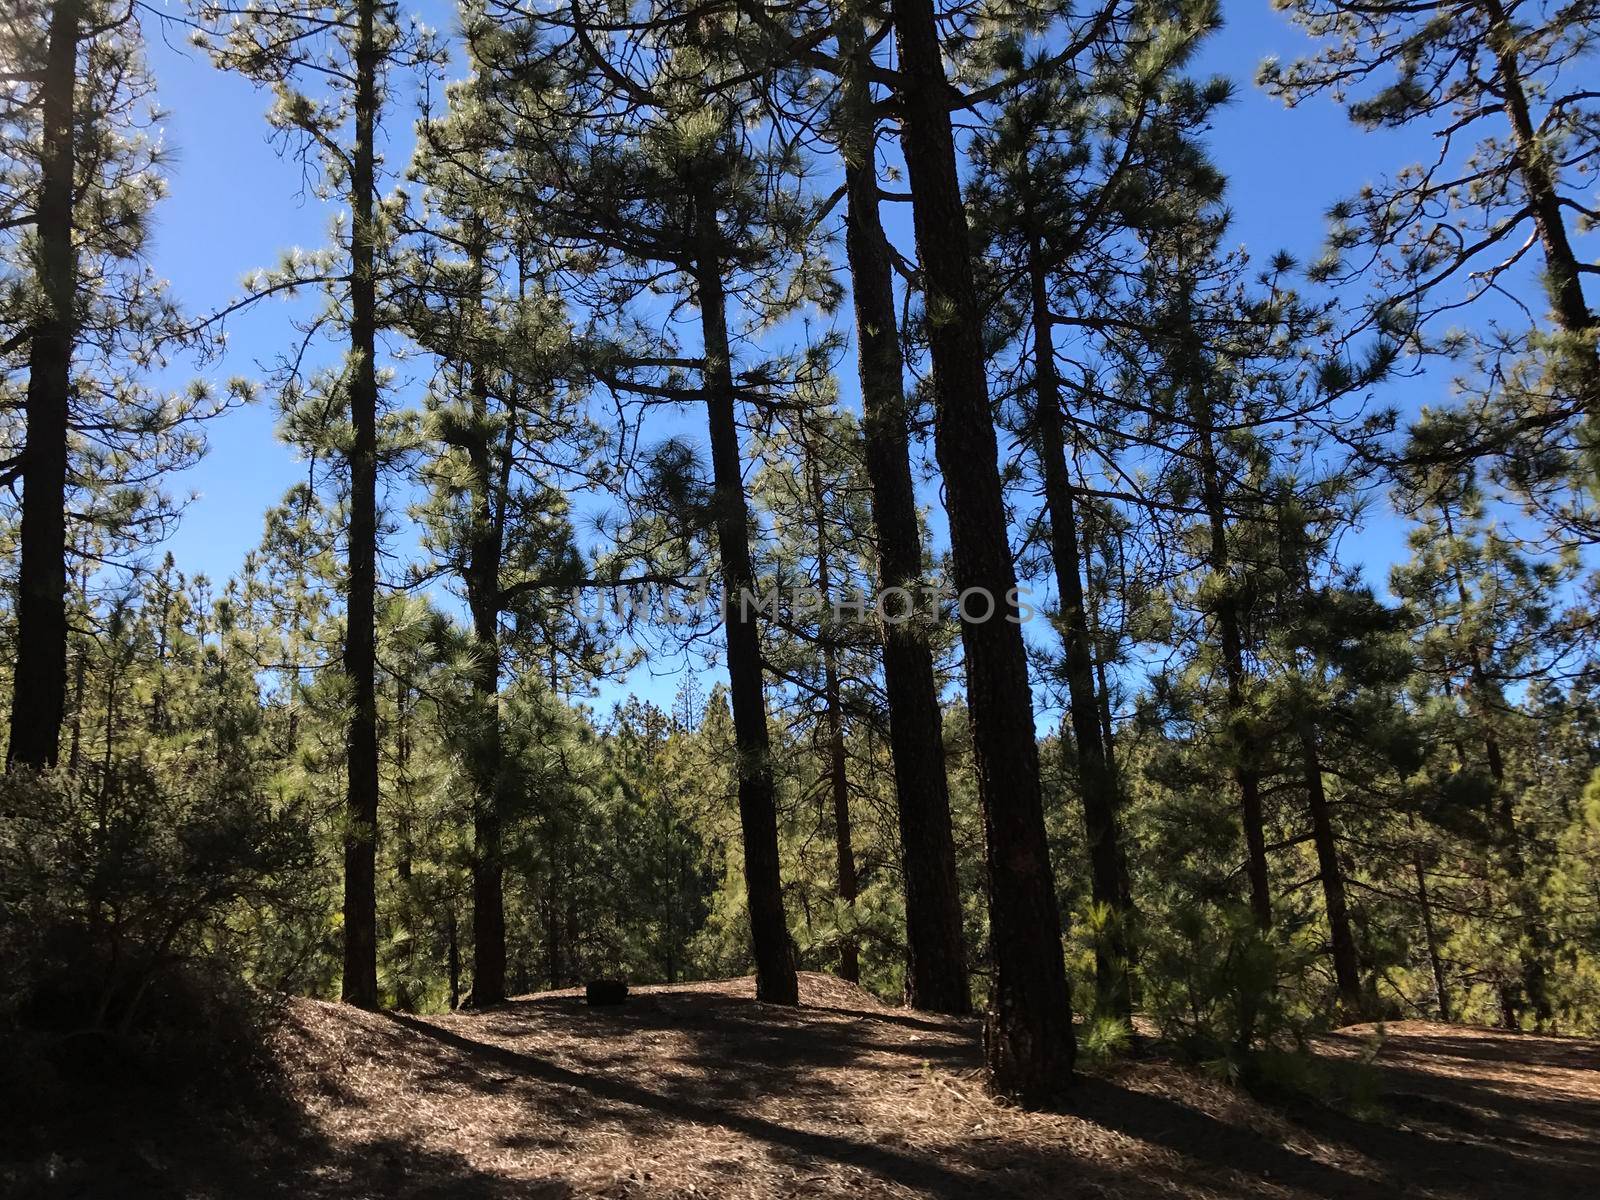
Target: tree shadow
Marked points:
539	1093
240	1135
965	1027
1464	1119
724	1033
1494	1046
644	1108
952	1171
738	1054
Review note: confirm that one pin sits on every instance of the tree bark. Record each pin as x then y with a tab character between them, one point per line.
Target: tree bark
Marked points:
1533	163
1246	771
1028	1038
1097	783
453	957
1346	966
1534	946
484	553
833	715
1441	987
758	815
936	971
360	650
39	683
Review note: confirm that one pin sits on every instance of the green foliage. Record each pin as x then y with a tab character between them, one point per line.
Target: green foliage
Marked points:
1214	984
1352	1086
116	876
1103	1039
1424	762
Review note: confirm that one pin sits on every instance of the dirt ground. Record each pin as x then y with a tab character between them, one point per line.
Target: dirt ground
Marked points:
698	1091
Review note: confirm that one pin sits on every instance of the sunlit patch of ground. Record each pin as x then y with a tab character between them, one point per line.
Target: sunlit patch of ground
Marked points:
699	1091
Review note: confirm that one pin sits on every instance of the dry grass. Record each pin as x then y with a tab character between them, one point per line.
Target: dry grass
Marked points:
698	1091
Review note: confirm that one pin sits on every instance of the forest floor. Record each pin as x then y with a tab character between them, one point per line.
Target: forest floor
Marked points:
699	1091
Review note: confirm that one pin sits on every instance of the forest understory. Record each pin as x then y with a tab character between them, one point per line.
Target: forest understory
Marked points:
914	489
698	1090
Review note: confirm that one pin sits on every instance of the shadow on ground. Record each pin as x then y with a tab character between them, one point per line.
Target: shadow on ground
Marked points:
706	1092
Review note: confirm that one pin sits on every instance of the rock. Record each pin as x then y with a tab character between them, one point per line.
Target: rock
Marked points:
606	991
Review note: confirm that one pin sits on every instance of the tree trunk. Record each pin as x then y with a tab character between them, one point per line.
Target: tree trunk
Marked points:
1108	735
1346	967
1097	782
758	813
936	971
483	601
488	911
1435	959
838	774
488	869
360	657
1533	163
1028	1038
1246	771
453	957
1534	945
39	683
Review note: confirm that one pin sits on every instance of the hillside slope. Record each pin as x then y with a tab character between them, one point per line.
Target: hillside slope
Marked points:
698	1091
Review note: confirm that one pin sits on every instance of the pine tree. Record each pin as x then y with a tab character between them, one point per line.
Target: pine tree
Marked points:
1493	618
1493	83
1068	168
658	184
508	433
347	51
936	975
811	492
1332	638
1028	1029
85	317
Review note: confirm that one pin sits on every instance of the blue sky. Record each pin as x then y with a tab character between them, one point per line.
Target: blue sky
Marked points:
236	204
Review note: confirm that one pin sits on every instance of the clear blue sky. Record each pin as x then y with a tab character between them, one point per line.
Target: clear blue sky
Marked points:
235	205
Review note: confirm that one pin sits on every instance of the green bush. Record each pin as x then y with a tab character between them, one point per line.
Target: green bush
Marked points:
116	888
1213	982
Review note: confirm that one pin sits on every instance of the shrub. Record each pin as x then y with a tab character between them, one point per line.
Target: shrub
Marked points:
114	885
1213	983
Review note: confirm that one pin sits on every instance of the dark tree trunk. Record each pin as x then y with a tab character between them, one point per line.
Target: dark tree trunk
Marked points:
488	904
1346	967
1229	618
838	773
1441	988
453	957
1535	943
39	684
936	971
1097	783
758	812
483	600
1028	1038
360	657
1562	267
488	869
